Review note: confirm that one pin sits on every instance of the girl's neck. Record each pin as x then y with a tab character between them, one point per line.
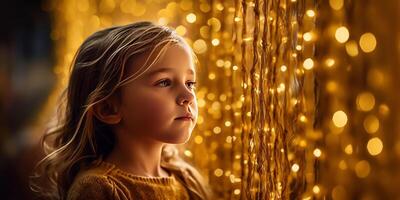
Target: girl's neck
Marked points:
138	157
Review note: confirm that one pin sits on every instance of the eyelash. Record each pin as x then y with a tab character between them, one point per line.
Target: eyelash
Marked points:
165	80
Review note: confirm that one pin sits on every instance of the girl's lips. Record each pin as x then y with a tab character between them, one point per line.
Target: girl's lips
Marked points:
184	118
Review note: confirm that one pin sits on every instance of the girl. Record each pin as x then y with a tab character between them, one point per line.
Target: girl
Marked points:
130	93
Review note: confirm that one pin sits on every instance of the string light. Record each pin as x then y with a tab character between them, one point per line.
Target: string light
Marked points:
295	167
308	64
310	13
317	152
191	18
283	68
307	36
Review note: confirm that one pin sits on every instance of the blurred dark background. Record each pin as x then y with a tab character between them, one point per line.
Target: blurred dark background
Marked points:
26	79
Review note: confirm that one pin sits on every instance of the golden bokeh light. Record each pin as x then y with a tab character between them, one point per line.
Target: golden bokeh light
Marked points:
374	146
191	18
339	119
295	167
362	169
329	62
336	4
310	13
308	36
365	101
348	149
342	34
199	46
367	42
352	48
308	64
371	124
317	152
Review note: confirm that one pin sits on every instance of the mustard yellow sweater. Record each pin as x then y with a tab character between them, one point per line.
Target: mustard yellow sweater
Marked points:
106	181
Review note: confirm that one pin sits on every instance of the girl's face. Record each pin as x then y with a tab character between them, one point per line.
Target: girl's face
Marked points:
152	104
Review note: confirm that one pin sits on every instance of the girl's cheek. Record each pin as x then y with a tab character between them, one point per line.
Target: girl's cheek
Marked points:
155	108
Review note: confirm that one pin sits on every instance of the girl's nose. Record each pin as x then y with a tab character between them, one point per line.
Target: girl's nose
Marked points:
186	96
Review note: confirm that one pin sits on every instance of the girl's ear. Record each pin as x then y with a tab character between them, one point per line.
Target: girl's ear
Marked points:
108	111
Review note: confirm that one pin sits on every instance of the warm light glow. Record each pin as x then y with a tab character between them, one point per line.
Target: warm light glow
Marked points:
352	48
331	86
342	165
281	88
365	101
375	146
191	18
205	31
310	13
342	34
336	4
362	169
217	130
371	124
316	189
307	36
339	119
181	30
317	152
283	68
348	149
329	62
308	64
199	46
295	167
188	153
303	118
215	42
367	42
218	172
198	139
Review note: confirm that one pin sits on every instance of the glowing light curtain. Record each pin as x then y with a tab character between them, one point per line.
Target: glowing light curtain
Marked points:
275	45
292	103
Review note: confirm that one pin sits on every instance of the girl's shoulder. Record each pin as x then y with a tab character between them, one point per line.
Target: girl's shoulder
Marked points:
92	183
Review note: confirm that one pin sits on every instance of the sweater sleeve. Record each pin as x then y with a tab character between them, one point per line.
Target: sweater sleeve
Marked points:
91	187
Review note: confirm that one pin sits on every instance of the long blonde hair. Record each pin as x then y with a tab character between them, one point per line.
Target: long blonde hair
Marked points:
96	73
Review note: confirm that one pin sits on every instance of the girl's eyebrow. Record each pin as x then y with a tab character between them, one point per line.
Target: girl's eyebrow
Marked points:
165	69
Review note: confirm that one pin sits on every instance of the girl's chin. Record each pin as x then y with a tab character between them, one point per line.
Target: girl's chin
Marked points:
179	139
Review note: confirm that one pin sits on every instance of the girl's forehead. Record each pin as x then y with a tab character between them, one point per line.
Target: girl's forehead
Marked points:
168	58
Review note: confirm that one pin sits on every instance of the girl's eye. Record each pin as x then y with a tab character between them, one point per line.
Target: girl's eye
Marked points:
192	85
164	83
167	82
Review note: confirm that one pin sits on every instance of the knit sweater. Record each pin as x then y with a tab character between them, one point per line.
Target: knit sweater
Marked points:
105	181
